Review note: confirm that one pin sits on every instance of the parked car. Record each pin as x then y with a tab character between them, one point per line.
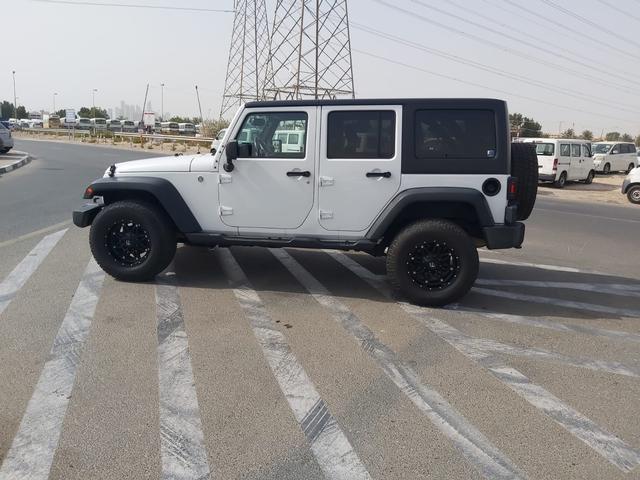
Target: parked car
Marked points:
169	128
631	186
188	129
614	157
129	126
99	124
54	121
6	139
83	123
215	145
563	160
114	125
288	141
423	181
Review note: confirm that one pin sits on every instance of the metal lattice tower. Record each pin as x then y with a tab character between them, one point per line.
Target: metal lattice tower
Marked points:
310	54
248	55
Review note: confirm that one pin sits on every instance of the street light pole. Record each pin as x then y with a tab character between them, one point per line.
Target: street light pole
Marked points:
54	102
15	99
93	94
162	101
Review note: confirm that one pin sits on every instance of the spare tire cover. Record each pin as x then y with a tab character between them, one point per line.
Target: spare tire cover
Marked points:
524	166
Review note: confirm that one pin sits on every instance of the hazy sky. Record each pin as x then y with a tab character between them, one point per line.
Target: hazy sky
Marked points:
72	49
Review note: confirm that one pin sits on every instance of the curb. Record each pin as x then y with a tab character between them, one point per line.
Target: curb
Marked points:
26	158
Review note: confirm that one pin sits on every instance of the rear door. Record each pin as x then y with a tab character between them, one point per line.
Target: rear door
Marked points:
360	172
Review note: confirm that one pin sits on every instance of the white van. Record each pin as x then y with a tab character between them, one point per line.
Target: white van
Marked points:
562	160
99	124
290	141
187	129
614	157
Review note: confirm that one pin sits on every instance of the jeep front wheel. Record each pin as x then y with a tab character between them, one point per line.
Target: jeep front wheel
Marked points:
432	262
132	241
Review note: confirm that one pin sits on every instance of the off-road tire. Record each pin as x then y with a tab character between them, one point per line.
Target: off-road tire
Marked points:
4	150
428	231
562	181
633	194
524	166
159	232
607	169
590	177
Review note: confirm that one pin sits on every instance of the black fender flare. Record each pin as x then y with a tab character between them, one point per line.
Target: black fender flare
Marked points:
474	198
161	189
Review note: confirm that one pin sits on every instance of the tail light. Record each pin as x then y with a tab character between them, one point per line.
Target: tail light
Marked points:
512	188
555	164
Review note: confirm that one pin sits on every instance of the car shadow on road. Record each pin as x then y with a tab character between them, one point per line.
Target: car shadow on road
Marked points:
501	288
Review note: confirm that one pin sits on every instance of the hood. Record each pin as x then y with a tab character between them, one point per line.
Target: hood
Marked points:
181	163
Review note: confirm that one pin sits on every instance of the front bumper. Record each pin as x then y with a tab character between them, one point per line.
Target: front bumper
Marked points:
504	236
84	215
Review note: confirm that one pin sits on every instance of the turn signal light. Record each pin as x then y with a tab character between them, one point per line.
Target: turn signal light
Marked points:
555	164
88	193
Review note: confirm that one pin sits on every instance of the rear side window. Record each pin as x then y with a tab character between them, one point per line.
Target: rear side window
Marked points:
361	134
575	150
442	134
628	148
565	150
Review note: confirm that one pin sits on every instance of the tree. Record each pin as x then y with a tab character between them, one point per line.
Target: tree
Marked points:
638	141
6	109
22	112
626	138
568	133
61	113
97	112
587	135
612	136
515	119
530	128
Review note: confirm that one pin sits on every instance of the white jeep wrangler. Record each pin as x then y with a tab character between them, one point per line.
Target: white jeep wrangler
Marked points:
423	181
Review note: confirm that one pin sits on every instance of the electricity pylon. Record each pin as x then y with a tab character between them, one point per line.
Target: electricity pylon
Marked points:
248	55
310	51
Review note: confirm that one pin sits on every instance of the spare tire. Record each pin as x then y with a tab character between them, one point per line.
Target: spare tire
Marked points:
524	166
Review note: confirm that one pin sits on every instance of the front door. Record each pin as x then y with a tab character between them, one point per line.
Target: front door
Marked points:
575	172
359	164
271	186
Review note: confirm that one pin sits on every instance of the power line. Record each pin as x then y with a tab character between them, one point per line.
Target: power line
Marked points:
513	51
598	27
613	7
493	70
564	27
588	64
133	5
479	85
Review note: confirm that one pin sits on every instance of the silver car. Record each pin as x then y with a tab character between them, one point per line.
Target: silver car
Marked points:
6	140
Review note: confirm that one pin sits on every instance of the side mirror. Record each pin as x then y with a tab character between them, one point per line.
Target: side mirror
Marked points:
232	153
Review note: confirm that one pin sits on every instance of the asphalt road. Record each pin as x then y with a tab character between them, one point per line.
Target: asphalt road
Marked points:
291	364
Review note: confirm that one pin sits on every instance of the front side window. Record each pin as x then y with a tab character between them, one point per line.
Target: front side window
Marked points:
575	150
361	134
585	151
565	150
263	134
615	150
601	148
463	134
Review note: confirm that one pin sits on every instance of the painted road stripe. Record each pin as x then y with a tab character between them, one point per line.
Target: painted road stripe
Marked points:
610	289
606	444
330	446
34	446
591	307
541	266
184	456
473	445
12	284
549	324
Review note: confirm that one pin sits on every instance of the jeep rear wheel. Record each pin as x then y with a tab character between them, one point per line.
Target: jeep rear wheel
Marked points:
132	241
432	262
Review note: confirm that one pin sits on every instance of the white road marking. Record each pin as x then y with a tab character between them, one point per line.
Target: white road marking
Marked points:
42	231
474	446
610	289
184	456
550	325
608	445
554	268
591	307
12	284
330	446
34	446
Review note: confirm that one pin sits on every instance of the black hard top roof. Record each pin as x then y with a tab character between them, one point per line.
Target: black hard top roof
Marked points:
449	102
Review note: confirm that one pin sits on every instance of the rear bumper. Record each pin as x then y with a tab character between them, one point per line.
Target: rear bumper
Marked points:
84	215
547	177
504	236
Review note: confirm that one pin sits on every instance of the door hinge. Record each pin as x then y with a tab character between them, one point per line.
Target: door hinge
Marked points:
225	210
224	178
326	181
326	214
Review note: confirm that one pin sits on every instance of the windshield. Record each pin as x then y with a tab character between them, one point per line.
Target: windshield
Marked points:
84	120
546	149
601	148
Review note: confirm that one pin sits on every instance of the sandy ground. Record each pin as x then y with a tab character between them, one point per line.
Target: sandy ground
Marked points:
605	188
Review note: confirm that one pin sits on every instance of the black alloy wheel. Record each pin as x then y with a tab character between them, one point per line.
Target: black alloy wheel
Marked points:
128	243
433	265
